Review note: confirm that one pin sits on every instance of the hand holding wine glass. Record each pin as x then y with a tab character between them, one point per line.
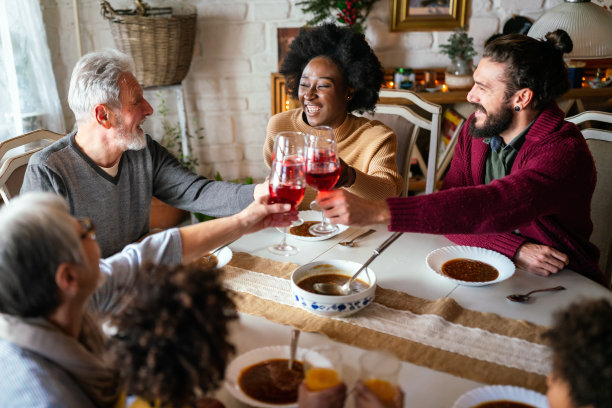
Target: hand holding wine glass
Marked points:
322	169
287	183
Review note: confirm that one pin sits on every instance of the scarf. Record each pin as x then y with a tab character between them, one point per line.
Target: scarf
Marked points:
81	358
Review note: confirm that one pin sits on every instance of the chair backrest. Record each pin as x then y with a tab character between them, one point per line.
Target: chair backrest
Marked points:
402	121
14	156
600	144
446	157
407	124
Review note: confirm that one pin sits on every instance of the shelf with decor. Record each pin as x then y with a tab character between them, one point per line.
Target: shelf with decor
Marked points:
282	102
578	97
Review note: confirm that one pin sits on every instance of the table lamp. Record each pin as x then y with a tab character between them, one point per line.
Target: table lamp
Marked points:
588	25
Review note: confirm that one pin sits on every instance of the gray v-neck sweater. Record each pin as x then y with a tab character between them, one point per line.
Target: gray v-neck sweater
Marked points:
120	206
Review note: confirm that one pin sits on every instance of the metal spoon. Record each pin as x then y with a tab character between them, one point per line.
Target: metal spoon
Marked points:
351	243
335	289
295	335
523	298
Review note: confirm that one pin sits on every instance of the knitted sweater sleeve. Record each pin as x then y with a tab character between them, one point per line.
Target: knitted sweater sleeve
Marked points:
376	174
506	243
537	187
176	185
271	131
369	147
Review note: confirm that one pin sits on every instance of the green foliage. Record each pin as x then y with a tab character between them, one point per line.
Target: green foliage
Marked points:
351	12
460	46
171	139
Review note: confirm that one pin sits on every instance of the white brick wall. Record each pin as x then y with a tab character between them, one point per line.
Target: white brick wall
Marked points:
228	86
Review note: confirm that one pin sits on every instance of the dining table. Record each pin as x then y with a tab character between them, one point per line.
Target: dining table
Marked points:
441	365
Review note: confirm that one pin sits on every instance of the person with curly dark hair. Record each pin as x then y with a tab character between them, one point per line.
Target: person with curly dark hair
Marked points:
581	340
522	178
333	72
171	345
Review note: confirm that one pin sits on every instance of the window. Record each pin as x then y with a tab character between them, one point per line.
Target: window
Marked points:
29	95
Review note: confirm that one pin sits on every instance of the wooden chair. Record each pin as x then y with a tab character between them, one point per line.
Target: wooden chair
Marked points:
407	124
401	120
600	144
14	156
446	157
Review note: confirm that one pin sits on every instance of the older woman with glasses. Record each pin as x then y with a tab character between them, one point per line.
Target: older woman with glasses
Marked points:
55	289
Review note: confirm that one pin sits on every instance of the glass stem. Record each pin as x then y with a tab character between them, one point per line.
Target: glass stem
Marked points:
284	241
323	220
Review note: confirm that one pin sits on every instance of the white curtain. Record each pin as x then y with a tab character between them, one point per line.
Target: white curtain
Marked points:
28	93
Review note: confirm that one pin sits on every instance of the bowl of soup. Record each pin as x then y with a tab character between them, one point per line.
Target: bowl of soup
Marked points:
332	271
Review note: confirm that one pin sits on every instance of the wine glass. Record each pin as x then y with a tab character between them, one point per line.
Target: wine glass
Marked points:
322	368
322	169
287	181
379	372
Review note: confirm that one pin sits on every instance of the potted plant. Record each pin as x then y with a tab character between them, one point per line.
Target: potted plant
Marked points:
460	49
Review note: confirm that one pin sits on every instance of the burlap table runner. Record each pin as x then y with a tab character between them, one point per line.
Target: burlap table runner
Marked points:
438	334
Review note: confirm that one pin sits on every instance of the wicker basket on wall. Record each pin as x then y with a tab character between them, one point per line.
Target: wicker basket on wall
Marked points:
159	41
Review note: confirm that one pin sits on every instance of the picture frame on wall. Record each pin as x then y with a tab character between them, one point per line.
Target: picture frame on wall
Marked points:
284	37
427	15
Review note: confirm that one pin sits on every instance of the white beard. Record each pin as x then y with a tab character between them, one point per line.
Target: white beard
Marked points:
129	140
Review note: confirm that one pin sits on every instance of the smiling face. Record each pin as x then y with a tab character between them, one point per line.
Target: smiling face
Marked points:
133	113
494	112
323	93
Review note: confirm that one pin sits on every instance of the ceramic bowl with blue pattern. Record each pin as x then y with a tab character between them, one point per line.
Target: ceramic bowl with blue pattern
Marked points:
331	305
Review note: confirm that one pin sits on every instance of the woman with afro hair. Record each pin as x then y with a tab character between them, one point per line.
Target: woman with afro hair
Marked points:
333	72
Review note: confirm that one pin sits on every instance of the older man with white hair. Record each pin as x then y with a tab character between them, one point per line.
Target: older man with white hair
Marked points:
53	295
109	169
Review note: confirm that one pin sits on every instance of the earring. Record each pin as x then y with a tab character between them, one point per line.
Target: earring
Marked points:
517	108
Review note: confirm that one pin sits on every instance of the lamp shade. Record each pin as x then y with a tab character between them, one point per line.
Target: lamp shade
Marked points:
588	25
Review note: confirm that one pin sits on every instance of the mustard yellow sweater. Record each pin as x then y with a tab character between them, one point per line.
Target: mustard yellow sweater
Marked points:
366	145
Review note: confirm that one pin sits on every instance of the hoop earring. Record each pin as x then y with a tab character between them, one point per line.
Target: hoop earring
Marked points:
517	108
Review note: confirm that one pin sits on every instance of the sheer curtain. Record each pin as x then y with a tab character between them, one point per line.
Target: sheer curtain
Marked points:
29	98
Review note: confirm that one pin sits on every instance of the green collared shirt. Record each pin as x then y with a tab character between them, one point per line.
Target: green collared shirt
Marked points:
499	163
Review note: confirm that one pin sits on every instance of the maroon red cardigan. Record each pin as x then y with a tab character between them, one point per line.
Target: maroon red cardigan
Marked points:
546	196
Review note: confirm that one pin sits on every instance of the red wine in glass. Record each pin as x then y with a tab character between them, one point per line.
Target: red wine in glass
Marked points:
287	186
323	178
322	173
286	194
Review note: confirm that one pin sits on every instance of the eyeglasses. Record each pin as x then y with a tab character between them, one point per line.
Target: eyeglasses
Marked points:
88	226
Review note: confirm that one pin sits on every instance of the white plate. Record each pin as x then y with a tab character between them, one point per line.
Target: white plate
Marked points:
315	216
501	392
248	359
504	266
224	256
